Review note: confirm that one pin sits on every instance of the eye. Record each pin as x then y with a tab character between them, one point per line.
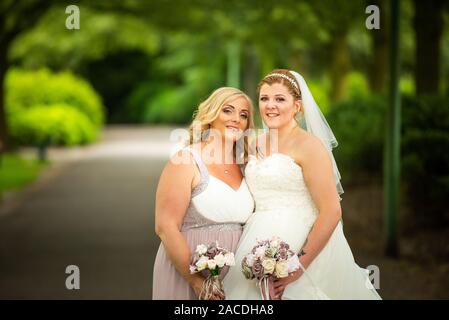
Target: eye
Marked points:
244	116
227	110
263	99
280	99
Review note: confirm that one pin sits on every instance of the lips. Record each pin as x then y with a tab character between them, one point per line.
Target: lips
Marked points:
272	115
233	129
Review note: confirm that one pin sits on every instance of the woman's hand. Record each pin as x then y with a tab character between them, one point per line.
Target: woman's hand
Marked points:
279	284
197	284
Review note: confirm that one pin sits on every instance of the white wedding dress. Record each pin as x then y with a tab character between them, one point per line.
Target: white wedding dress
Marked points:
284	208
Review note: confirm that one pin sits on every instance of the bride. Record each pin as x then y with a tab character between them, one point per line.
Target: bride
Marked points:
296	188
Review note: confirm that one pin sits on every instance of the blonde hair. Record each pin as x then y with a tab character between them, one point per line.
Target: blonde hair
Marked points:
209	110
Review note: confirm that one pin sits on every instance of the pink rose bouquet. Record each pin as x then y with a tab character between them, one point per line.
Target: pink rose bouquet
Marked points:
267	260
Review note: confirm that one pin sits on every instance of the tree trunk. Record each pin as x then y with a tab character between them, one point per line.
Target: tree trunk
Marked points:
251	75
4	133
233	72
378	69
428	25
251	78
340	65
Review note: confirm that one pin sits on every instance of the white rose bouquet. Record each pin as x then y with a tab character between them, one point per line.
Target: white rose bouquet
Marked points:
269	259
211	259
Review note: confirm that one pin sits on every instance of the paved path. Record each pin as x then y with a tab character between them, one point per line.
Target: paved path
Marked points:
93	209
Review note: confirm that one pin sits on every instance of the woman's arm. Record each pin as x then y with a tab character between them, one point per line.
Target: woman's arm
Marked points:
172	200
320	180
318	175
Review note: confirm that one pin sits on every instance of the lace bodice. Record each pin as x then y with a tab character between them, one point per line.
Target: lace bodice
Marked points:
277	185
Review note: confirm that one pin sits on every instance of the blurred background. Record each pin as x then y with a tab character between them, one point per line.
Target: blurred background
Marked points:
86	116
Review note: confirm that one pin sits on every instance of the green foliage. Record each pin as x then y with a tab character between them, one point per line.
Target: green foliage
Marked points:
171	106
101	33
358	125
407	85
357	85
425	161
134	67
320	92
58	124
184	76
138	100
16	172
26	89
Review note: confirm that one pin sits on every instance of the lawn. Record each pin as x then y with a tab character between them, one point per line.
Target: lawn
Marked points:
16	172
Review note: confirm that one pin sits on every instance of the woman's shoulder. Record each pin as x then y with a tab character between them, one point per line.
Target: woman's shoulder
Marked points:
185	158
308	147
181	166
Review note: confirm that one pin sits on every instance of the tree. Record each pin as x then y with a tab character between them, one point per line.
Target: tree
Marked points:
428	24
15	17
379	56
337	18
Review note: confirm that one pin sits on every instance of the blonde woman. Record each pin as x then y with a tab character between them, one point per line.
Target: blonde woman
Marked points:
202	196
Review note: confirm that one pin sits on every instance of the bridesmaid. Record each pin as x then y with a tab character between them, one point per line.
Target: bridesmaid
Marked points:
202	196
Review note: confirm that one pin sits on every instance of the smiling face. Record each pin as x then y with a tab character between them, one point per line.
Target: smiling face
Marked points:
277	106
233	119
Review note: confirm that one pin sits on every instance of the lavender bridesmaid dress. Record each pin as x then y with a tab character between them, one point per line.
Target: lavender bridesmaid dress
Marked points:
216	212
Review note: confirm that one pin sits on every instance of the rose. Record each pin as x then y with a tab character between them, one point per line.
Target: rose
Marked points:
250	258
220	260
271	252
274	243
229	259
257	269
201	249
284	245
283	254
268	265
212	252
211	264
293	263
260	252
281	269
246	269
202	263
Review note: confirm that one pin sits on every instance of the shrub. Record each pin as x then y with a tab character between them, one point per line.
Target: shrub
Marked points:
56	124
320	92
172	106
26	89
358	125
357	85
425	157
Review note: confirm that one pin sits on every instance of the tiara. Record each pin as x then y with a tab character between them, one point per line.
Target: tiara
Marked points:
293	82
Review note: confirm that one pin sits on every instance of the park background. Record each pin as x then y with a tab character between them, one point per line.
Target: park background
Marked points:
86	115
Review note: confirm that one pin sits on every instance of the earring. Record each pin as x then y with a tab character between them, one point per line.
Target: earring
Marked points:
206	134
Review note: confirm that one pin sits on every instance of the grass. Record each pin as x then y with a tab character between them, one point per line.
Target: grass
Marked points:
16	172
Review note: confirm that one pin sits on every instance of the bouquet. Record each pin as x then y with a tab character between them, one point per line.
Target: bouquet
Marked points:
269	259
211	259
